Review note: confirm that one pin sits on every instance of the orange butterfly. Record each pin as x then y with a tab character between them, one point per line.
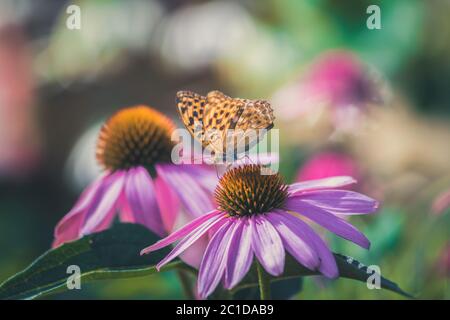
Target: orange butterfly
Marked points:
223	124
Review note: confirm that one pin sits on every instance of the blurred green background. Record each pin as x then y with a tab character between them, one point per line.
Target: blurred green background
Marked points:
57	86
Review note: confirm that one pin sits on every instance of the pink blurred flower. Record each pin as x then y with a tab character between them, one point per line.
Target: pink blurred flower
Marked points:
342	77
140	184
441	203
337	82
19	136
328	164
258	215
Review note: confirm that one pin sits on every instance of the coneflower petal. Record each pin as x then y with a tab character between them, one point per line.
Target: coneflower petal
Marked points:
104	203
320	184
214	260
341	201
183	231
141	199
190	239
196	199
327	220
327	263
68	228
295	240
267	245
240	256
168	203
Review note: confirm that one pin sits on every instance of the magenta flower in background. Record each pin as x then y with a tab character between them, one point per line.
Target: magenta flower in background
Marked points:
343	78
338	82
258	215
329	164
140	184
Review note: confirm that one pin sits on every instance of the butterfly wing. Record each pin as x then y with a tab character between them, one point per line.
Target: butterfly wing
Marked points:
257	115
191	107
222	113
210	118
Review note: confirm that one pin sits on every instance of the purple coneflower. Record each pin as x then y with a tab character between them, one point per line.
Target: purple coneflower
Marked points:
140	184
260	215
329	164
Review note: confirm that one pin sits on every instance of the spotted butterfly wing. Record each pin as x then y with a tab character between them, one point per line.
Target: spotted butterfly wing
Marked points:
191	107
218	120
256	119
208	118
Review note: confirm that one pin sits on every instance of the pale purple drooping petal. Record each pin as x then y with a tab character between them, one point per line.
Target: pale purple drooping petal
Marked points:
267	245
141	199
327	220
194	254
320	184
327	264
197	200
183	231
240	254
104	206
190	239
295	241
168	203
214	260
341	201
68	228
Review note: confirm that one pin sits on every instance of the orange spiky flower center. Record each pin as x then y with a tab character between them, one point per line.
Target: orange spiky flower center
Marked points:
245	191
135	136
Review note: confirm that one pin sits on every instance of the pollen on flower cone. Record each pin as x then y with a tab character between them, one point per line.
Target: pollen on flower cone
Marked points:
244	191
135	136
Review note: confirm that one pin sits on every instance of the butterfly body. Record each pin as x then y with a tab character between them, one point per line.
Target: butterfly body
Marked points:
222	124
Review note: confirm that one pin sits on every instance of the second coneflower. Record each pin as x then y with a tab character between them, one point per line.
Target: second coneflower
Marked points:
140	184
258	215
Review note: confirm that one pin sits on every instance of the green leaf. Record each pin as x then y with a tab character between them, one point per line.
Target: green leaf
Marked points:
348	268
113	253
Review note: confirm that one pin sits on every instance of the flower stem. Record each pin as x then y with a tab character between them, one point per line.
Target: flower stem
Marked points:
264	282
186	284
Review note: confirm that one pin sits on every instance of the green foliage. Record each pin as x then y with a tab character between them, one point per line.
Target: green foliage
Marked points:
110	254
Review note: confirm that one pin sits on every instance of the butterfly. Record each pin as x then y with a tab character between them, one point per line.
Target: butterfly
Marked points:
223	124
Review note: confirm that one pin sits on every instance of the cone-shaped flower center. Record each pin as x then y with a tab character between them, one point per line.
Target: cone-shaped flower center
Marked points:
136	136
244	191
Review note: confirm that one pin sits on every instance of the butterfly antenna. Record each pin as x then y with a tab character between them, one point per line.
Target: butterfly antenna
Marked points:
217	172
247	156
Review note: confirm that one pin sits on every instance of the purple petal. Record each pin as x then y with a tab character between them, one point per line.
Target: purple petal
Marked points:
185	230
214	261
141	198
340	201
267	245
327	220
240	254
189	240
104	203
325	183
295	241
68	228
168	202
194	254
196	199
327	262
203	174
